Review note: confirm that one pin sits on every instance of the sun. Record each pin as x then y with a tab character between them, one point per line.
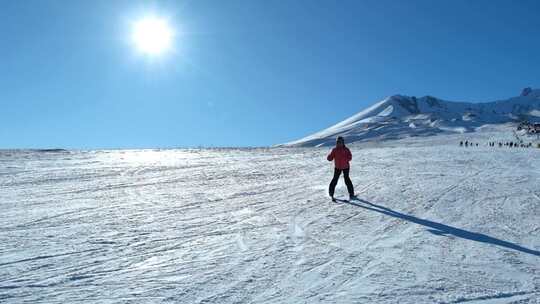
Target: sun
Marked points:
152	35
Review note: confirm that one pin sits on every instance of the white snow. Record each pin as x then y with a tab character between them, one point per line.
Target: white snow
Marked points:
387	111
393	117
255	225
535	113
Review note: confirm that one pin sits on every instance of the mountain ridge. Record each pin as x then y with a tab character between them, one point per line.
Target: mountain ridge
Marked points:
400	116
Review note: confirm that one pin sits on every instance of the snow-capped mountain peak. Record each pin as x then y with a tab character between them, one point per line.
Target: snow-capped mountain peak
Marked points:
400	116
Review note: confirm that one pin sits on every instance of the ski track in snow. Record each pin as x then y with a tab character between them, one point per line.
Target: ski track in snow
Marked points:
434	223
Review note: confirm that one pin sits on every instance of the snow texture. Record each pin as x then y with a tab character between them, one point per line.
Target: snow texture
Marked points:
456	225
403	116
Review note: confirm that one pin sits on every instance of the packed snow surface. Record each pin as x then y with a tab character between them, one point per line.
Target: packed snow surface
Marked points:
434	223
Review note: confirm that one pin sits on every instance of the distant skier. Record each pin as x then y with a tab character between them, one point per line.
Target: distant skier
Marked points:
341	155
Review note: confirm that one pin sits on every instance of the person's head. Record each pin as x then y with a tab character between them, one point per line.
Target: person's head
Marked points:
340	142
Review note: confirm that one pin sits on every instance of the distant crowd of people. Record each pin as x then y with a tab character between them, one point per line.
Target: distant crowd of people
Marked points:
509	144
467	144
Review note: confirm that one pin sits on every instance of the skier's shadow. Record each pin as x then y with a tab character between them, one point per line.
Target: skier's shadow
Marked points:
442	229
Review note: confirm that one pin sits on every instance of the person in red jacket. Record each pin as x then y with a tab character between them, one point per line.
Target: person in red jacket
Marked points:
341	155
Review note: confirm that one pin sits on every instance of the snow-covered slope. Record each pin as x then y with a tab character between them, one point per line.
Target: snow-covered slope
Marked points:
457	225
403	116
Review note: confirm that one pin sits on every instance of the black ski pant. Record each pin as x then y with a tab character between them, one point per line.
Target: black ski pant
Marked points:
333	183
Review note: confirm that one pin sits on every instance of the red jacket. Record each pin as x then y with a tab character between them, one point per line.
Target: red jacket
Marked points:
341	157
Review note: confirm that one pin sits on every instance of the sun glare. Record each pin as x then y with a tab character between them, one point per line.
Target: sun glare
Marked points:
152	35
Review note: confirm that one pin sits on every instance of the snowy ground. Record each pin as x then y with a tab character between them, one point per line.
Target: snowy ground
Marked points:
436	224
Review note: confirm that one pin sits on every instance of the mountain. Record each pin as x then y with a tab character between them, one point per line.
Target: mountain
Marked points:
401	116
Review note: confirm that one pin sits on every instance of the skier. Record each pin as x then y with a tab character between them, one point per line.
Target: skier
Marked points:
341	155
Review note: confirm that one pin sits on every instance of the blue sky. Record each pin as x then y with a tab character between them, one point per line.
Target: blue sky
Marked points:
246	73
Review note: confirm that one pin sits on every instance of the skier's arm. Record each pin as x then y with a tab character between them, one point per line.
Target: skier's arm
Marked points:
330	156
349	155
